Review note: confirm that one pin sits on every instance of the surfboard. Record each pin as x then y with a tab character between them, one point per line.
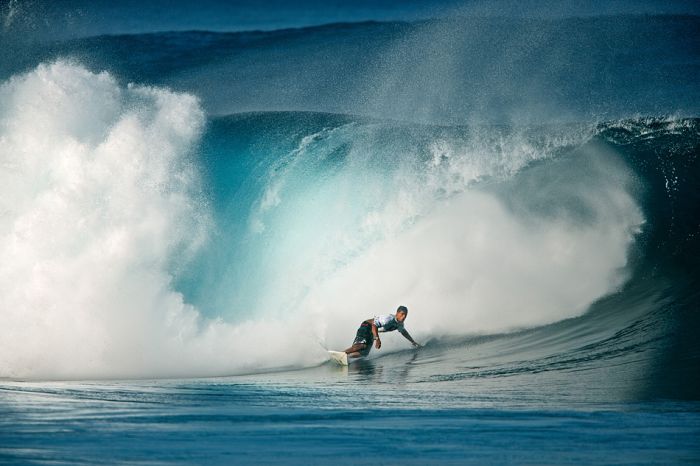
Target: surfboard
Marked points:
338	357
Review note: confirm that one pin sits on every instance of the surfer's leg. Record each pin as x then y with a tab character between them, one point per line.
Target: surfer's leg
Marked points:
355	348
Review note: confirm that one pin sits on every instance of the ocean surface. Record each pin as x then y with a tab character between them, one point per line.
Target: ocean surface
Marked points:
189	219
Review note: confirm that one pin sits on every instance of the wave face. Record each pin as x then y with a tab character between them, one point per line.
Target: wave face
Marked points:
523	250
442	217
140	242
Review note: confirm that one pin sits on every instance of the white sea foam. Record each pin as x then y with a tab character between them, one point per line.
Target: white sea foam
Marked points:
100	203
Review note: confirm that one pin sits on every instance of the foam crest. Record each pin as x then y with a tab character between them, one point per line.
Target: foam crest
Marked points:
101	204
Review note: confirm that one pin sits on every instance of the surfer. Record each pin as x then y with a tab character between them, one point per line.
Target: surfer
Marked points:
370	328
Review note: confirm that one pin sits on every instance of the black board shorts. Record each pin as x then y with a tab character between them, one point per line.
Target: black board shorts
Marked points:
364	336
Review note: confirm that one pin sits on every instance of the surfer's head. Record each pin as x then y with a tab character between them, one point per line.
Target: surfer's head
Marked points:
401	313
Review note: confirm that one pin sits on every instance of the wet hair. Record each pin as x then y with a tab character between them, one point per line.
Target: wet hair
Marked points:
403	309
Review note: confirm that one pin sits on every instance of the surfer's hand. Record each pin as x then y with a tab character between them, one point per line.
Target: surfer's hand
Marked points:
416	345
377	343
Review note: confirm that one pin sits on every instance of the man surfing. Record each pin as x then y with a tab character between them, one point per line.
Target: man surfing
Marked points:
369	332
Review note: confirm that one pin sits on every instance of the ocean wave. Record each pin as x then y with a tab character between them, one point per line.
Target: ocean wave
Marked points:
132	248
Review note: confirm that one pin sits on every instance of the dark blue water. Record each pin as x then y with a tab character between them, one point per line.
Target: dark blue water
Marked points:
332	415
189	218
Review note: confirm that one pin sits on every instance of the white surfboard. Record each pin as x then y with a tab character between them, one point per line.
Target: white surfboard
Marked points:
338	357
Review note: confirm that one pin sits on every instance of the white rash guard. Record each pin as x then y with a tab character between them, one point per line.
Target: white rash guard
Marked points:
388	323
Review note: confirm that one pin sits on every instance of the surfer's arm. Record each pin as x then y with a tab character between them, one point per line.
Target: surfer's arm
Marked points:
408	336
